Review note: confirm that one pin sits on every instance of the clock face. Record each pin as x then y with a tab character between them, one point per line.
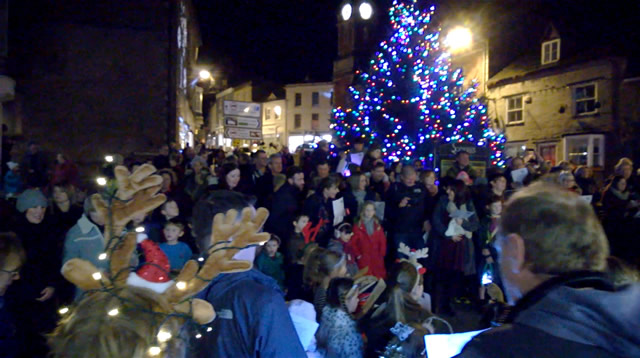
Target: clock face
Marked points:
346	12
365	10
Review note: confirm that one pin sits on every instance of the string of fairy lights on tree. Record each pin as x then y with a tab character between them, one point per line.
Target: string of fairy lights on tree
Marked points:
411	100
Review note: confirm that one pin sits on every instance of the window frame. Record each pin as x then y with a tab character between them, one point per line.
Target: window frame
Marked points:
575	100
511	110
550	43
297	121
267	114
591	138
298	99
315	99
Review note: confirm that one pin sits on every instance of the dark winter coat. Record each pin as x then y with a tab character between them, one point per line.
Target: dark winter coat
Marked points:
271	266
34	169
455	170
410	218
9	341
264	190
252	319
450	255
286	206
579	315
320	211
65	173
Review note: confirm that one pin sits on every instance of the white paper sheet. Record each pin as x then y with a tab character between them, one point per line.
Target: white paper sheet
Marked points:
519	175
587	198
338	211
447	345
356	158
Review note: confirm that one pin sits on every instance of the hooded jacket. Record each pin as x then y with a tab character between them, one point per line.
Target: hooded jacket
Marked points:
252	319
580	315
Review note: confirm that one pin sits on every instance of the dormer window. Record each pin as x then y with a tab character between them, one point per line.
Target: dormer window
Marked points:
550	51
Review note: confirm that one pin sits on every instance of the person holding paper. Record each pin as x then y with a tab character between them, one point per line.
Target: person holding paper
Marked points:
553	257
406	211
454	222
319	208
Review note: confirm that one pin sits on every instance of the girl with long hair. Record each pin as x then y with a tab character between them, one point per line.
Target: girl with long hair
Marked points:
338	335
370	242
321	266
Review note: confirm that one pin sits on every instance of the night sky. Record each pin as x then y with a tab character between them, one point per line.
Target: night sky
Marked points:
284	41
293	41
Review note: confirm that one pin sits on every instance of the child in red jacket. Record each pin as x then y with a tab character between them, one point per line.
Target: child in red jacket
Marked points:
370	241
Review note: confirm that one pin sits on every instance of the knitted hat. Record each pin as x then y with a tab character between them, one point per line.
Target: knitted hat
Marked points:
31	198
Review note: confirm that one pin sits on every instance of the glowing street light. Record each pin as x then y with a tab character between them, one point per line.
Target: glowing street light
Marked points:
366	10
346	12
459	39
108	158
204	75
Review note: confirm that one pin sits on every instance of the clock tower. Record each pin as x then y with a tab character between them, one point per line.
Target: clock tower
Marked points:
357	36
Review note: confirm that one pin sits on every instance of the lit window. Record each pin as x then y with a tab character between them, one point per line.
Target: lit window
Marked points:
585	149
515	110
550	51
584	99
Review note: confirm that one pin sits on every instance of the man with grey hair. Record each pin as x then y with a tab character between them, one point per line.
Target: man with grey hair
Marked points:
264	188
552	255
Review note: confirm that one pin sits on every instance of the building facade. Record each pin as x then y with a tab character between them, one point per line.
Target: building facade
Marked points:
308	112
560	102
116	77
274	122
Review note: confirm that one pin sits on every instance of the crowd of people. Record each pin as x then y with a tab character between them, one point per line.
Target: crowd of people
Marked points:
434	238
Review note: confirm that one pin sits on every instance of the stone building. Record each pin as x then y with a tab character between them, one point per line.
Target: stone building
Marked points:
308	112
110	77
563	99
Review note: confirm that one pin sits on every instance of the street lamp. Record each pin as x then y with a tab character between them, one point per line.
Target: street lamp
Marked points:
346	12
204	75
366	10
459	39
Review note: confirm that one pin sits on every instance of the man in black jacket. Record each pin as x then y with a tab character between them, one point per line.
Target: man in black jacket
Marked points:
405	211
552	254
287	203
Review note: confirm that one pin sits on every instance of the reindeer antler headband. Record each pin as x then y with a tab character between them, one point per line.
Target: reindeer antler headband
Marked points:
137	193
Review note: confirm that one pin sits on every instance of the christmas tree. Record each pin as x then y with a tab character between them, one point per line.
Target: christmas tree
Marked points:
411	100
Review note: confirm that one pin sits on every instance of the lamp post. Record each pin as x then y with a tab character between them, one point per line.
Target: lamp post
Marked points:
460	41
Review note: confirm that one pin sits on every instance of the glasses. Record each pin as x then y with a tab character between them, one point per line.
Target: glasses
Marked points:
12	273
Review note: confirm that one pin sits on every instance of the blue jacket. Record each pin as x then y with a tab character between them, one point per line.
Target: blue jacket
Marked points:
252	319
12	183
85	241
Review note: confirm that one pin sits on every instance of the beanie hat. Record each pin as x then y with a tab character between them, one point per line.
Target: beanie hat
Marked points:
31	198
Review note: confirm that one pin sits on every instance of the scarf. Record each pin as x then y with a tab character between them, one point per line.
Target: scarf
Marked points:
620	195
360	195
369	225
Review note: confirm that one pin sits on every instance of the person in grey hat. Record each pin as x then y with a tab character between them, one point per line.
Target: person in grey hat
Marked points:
33	297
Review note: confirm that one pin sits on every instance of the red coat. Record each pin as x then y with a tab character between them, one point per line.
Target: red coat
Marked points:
370	249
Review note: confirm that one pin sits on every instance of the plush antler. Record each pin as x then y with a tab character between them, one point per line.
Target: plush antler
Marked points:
228	237
404	249
137	194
